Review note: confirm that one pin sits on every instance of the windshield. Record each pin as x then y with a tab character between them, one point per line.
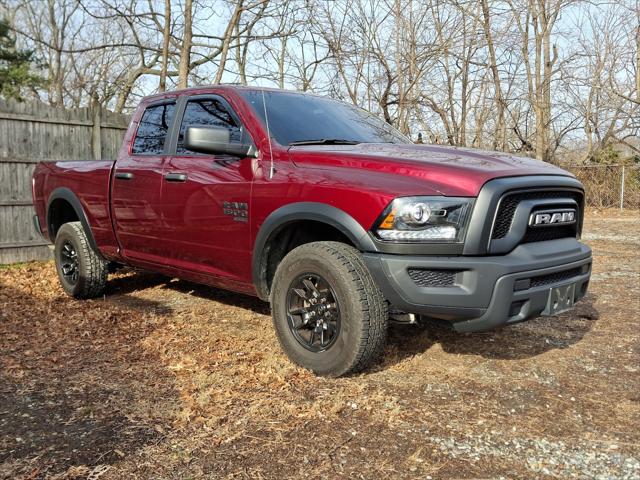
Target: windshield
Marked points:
306	119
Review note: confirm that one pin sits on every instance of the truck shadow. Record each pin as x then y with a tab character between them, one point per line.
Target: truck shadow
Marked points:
226	297
130	281
520	341
524	340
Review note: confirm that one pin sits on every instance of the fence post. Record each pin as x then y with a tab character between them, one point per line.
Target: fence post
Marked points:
96	136
622	190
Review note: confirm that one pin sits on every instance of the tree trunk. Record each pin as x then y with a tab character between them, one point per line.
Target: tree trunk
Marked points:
185	54
638	63
57	78
281	61
546	90
241	57
226	41
165	46
499	139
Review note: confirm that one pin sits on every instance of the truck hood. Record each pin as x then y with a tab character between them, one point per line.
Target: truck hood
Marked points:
419	169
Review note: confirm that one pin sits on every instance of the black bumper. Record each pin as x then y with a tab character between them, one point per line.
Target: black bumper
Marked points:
481	293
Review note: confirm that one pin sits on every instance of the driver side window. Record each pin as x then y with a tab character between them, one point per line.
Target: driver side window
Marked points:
207	112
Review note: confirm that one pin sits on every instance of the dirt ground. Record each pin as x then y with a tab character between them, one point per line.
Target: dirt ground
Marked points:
167	379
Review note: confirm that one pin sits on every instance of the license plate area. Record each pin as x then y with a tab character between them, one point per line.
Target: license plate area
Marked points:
560	299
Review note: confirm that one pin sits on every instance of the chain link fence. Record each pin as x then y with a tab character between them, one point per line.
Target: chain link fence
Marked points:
610	185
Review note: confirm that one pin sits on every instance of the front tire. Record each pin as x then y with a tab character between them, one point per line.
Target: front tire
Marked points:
329	315
82	272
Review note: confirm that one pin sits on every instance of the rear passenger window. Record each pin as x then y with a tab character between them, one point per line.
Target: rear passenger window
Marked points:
153	129
207	111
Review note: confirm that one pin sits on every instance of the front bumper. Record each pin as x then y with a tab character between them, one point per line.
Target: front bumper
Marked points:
484	292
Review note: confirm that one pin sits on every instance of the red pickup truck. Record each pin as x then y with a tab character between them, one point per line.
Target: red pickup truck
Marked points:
325	211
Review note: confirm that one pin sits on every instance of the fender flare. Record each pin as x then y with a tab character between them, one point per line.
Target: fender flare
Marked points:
319	212
63	193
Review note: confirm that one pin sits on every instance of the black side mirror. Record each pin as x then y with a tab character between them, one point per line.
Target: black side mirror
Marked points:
215	140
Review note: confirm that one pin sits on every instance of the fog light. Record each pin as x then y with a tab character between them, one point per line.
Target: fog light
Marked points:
522	284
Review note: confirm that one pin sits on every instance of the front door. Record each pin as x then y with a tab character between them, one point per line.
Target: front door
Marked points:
136	188
206	198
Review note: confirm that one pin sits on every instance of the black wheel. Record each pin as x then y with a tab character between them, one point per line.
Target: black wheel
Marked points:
313	312
82	272
329	315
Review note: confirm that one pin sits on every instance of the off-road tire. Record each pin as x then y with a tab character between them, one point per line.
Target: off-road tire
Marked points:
92	269
363	310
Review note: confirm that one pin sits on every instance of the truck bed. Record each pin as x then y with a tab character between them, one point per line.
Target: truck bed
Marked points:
89	181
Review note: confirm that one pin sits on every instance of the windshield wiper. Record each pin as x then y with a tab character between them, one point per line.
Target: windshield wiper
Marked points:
325	141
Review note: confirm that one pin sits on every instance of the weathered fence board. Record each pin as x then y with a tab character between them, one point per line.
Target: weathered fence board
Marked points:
34	132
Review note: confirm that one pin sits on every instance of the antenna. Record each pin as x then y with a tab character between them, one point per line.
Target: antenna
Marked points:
266	120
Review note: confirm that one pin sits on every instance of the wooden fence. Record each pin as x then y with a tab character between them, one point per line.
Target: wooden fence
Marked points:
34	132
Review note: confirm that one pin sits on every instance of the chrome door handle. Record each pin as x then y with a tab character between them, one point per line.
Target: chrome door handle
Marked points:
175	177
124	175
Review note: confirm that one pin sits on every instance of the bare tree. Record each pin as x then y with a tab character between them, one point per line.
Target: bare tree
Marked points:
535	21
499	141
603	84
166	38
512	75
185	52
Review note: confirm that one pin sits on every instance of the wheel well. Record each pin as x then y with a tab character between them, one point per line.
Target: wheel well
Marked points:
290	236
60	212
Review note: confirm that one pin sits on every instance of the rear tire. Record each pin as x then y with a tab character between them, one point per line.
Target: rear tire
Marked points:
81	271
329	315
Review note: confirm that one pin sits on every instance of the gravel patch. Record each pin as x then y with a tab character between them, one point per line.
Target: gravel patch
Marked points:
598	461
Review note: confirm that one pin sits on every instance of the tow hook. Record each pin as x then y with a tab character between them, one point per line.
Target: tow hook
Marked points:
404	318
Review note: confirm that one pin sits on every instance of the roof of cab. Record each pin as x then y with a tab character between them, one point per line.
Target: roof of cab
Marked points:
208	88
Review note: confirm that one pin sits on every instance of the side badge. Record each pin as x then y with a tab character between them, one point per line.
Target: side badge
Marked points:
238	210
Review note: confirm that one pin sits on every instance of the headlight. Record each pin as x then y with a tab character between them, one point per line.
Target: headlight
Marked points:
424	219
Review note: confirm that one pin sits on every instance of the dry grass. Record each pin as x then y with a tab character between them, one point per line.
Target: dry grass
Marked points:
167	379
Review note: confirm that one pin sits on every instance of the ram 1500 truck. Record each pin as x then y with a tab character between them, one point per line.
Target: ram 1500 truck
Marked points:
323	210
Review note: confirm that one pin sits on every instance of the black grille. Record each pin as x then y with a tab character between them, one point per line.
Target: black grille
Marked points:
555	277
433	278
542	234
510	202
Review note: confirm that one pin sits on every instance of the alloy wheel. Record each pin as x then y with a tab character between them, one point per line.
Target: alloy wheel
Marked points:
313	312
69	263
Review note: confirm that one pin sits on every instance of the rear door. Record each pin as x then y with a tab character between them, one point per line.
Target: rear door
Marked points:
137	184
206	198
